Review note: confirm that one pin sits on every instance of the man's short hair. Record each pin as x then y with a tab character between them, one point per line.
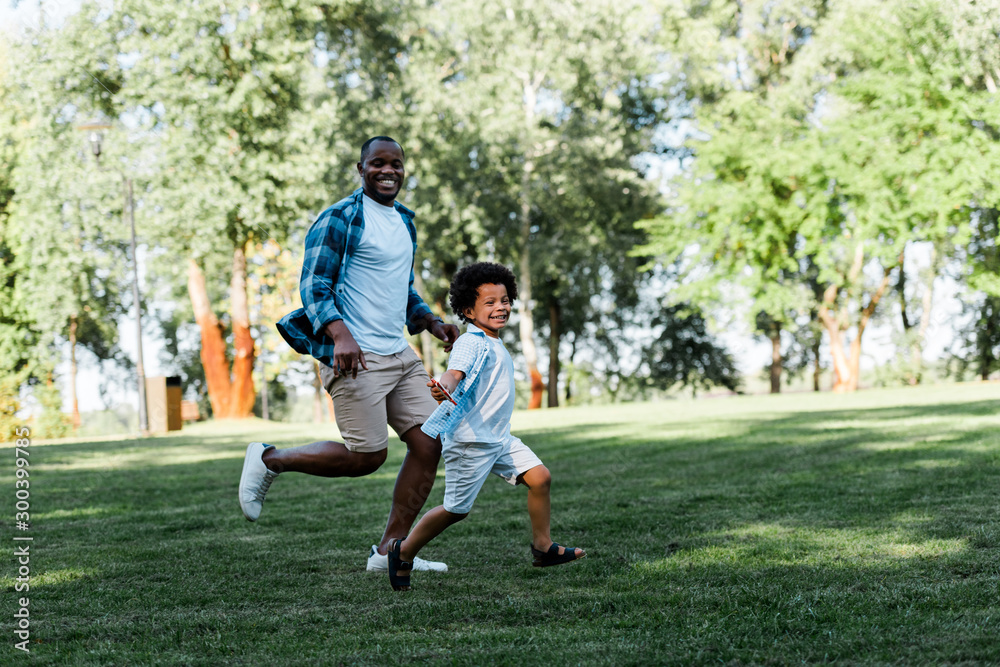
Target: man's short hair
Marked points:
466	283
365	146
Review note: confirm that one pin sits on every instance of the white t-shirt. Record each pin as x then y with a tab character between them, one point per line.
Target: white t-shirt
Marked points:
492	399
377	281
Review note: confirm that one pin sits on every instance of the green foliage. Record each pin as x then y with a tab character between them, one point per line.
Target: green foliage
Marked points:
525	109
51	423
979	340
684	353
10	404
278	401
828	138
739	207
62	250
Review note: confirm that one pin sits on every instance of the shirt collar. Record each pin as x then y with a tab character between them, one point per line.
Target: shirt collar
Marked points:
472	328
395	204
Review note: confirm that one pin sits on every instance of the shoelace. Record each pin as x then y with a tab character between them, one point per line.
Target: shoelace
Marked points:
264	485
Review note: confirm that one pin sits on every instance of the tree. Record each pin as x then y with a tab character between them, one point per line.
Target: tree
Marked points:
867	141
230	98
738	205
906	151
65	238
549	98
979	340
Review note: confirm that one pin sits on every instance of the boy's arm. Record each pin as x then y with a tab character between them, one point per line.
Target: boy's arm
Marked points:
449	380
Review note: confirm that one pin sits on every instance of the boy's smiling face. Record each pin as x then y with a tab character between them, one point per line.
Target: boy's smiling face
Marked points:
491	310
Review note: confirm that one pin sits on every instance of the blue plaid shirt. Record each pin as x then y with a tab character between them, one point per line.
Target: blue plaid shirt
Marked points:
447	415
330	243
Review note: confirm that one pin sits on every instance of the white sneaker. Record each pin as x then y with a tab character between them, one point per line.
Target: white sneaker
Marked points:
255	480
380	563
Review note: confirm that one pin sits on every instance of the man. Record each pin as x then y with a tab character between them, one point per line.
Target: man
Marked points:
357	294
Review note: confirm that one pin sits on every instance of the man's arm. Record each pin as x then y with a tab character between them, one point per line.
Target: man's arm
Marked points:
347	354
321	268
440	329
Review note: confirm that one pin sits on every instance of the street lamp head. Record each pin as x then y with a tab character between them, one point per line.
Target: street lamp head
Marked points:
95	143
95	133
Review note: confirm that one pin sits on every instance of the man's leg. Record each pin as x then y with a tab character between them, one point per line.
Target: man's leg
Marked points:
414	483
262	464
361	418
324	459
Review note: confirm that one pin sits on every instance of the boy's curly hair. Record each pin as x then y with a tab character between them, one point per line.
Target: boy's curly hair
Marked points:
465	285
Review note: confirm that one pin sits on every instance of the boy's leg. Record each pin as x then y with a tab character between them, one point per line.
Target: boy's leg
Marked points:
539	480
466	468
431	524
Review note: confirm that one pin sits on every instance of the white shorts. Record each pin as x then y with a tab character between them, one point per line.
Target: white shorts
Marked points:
468	464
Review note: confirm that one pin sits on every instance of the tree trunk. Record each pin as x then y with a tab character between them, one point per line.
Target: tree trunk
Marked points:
917	349
847	370
554	354
317	394
243	395
569	384
855	361
531	84
817	366
72	371
988	318
426	353
841	367
527	331
912	375
213	347
901	288
776	359
866	316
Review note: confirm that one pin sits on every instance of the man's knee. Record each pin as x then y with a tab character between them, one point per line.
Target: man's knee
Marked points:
420	444
365	463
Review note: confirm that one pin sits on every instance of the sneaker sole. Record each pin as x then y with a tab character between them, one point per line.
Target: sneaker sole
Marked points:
243	479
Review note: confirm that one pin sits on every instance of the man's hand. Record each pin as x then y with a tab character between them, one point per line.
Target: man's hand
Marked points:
446	332
347	355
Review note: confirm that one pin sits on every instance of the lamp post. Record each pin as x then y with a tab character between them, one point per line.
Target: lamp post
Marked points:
94	130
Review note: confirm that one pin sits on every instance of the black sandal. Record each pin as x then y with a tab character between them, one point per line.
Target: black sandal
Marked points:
553	557
399	569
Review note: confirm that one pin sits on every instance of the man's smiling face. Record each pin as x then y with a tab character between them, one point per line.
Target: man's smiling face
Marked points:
382	171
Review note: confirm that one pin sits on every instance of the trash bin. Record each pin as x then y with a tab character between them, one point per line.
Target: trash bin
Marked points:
163	404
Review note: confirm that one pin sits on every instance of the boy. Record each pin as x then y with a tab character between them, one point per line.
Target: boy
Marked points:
474	424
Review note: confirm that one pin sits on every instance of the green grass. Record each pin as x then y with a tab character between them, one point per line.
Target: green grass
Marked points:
758	530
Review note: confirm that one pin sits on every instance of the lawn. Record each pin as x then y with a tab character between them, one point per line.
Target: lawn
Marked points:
859	529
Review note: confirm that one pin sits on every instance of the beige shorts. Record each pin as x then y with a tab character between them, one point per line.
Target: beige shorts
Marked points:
393	391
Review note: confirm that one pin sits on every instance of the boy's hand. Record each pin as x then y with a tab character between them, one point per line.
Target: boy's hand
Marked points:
439	392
